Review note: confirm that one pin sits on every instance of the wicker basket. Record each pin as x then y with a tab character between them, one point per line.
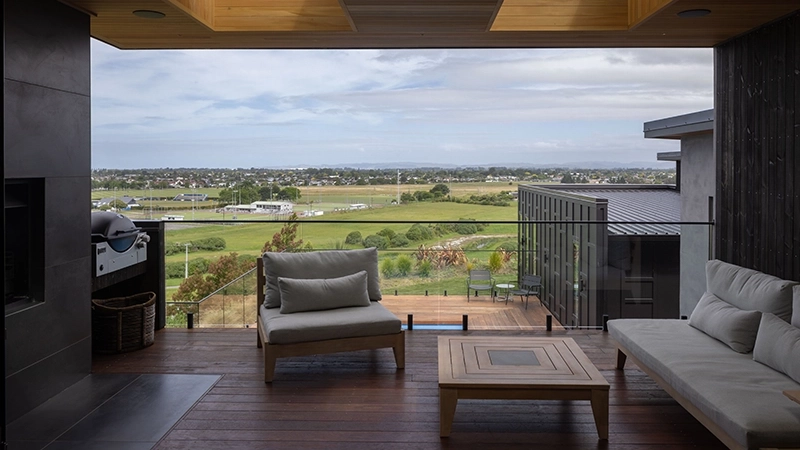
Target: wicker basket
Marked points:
123	324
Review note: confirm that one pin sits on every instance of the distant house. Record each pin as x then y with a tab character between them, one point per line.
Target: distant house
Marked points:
622	268
106	201
272	207
355	206
190	197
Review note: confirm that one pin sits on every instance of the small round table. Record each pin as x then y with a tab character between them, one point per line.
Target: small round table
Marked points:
505	287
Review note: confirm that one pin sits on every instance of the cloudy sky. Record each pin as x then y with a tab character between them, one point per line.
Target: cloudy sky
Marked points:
293	108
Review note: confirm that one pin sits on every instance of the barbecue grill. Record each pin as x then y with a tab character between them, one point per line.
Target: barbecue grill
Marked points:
117	242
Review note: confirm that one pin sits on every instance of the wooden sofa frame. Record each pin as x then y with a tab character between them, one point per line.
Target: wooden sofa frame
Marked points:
272	352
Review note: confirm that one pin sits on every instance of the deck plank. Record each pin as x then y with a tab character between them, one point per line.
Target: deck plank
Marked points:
484	314
359	400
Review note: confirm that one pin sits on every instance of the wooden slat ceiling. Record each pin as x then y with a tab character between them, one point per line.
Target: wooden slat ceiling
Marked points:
425	23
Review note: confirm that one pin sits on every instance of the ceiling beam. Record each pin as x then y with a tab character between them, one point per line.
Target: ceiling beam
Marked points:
200	10
639	11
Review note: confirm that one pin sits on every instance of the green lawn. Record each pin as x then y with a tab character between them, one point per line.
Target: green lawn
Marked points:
248	238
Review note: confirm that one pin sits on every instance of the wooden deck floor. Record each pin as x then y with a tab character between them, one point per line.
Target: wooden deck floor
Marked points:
484	314
359	400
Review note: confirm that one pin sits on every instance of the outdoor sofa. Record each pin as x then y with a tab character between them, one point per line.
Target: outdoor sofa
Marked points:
730	363
323	302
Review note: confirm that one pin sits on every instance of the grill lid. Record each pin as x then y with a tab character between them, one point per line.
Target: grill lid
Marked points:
116	229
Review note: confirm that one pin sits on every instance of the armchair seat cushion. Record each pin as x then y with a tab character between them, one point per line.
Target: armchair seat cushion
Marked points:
310	326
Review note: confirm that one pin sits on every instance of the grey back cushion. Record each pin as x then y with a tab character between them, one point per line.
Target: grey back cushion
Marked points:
326	264
735	327
796	307
750	290
323	293
778	346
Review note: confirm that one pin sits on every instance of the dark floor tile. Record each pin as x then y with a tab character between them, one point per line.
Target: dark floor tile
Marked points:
83	445
142	412
55	416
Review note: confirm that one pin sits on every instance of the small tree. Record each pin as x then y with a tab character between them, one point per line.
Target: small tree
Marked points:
220	272
440	190
286	239
289	193
354	238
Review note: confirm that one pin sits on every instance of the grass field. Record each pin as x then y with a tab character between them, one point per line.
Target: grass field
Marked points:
248	238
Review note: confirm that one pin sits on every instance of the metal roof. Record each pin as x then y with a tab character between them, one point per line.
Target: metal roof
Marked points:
639	204
680	126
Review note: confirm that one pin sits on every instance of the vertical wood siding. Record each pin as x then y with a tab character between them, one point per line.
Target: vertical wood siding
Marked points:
757	126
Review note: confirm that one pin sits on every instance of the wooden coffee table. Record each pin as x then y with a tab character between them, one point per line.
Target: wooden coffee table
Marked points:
517	368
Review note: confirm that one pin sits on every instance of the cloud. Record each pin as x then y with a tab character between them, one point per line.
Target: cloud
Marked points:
224	108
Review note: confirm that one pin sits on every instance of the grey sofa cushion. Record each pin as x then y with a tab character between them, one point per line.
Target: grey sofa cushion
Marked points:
321	294
778	346
725	322
796	306
742	396
750	290
339	323
327	264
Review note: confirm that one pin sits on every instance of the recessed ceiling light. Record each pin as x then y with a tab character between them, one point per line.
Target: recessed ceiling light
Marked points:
148	14
694	13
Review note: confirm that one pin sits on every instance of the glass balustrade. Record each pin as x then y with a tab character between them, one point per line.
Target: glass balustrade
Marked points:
578	273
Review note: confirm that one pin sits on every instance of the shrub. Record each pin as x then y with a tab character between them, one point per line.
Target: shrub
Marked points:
387	268
209	244
212	243
399	241
495	262
425	268
404	265
387	233
466	228
173	249
442	228
198	265
418	232
178	269
174	270
373	240
354	238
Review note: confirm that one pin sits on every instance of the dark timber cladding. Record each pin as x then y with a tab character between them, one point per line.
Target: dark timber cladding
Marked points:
757	96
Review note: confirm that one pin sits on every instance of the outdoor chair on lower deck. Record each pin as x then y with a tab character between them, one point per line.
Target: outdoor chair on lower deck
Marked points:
480	280
530	285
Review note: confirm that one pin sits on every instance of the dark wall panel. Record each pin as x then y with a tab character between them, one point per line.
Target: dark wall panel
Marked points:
47	139
758	139
47	131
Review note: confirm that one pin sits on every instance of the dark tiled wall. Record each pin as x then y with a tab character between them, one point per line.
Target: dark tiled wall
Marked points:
758	149
47	136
